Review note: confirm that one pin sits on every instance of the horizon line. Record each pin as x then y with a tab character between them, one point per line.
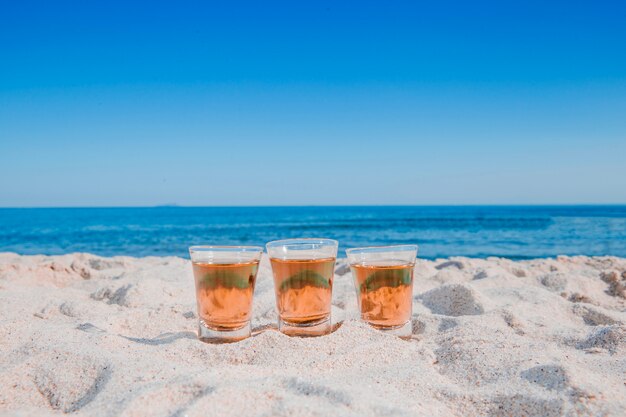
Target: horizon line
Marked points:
317	205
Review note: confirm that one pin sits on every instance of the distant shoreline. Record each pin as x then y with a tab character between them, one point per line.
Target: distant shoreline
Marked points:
176	206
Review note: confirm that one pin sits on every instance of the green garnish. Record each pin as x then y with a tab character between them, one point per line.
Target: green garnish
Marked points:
304	278
387	278
227	279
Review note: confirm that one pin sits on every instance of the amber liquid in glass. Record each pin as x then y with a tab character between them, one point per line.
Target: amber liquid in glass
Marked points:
303	289
384	293
224	293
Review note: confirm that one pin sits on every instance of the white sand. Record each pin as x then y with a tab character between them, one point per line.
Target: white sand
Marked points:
116	336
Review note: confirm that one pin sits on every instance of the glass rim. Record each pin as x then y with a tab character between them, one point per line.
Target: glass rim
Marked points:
303	240
225	248
383	249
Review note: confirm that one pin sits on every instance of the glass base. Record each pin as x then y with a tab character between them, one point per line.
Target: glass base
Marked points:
404	330
318	328
213	335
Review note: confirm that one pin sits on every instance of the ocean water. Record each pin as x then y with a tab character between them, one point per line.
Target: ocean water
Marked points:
516	232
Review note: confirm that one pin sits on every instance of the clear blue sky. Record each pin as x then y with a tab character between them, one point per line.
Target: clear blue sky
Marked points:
280	103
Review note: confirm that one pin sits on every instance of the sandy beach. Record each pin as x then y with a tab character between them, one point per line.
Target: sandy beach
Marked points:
97	336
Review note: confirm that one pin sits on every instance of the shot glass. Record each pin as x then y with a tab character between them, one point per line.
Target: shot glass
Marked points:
225	278
303	272
383	279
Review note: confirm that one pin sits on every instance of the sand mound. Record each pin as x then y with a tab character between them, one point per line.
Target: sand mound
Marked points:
87	335
611	338
453	300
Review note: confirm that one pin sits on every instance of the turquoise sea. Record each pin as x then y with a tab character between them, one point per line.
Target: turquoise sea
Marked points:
516	232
